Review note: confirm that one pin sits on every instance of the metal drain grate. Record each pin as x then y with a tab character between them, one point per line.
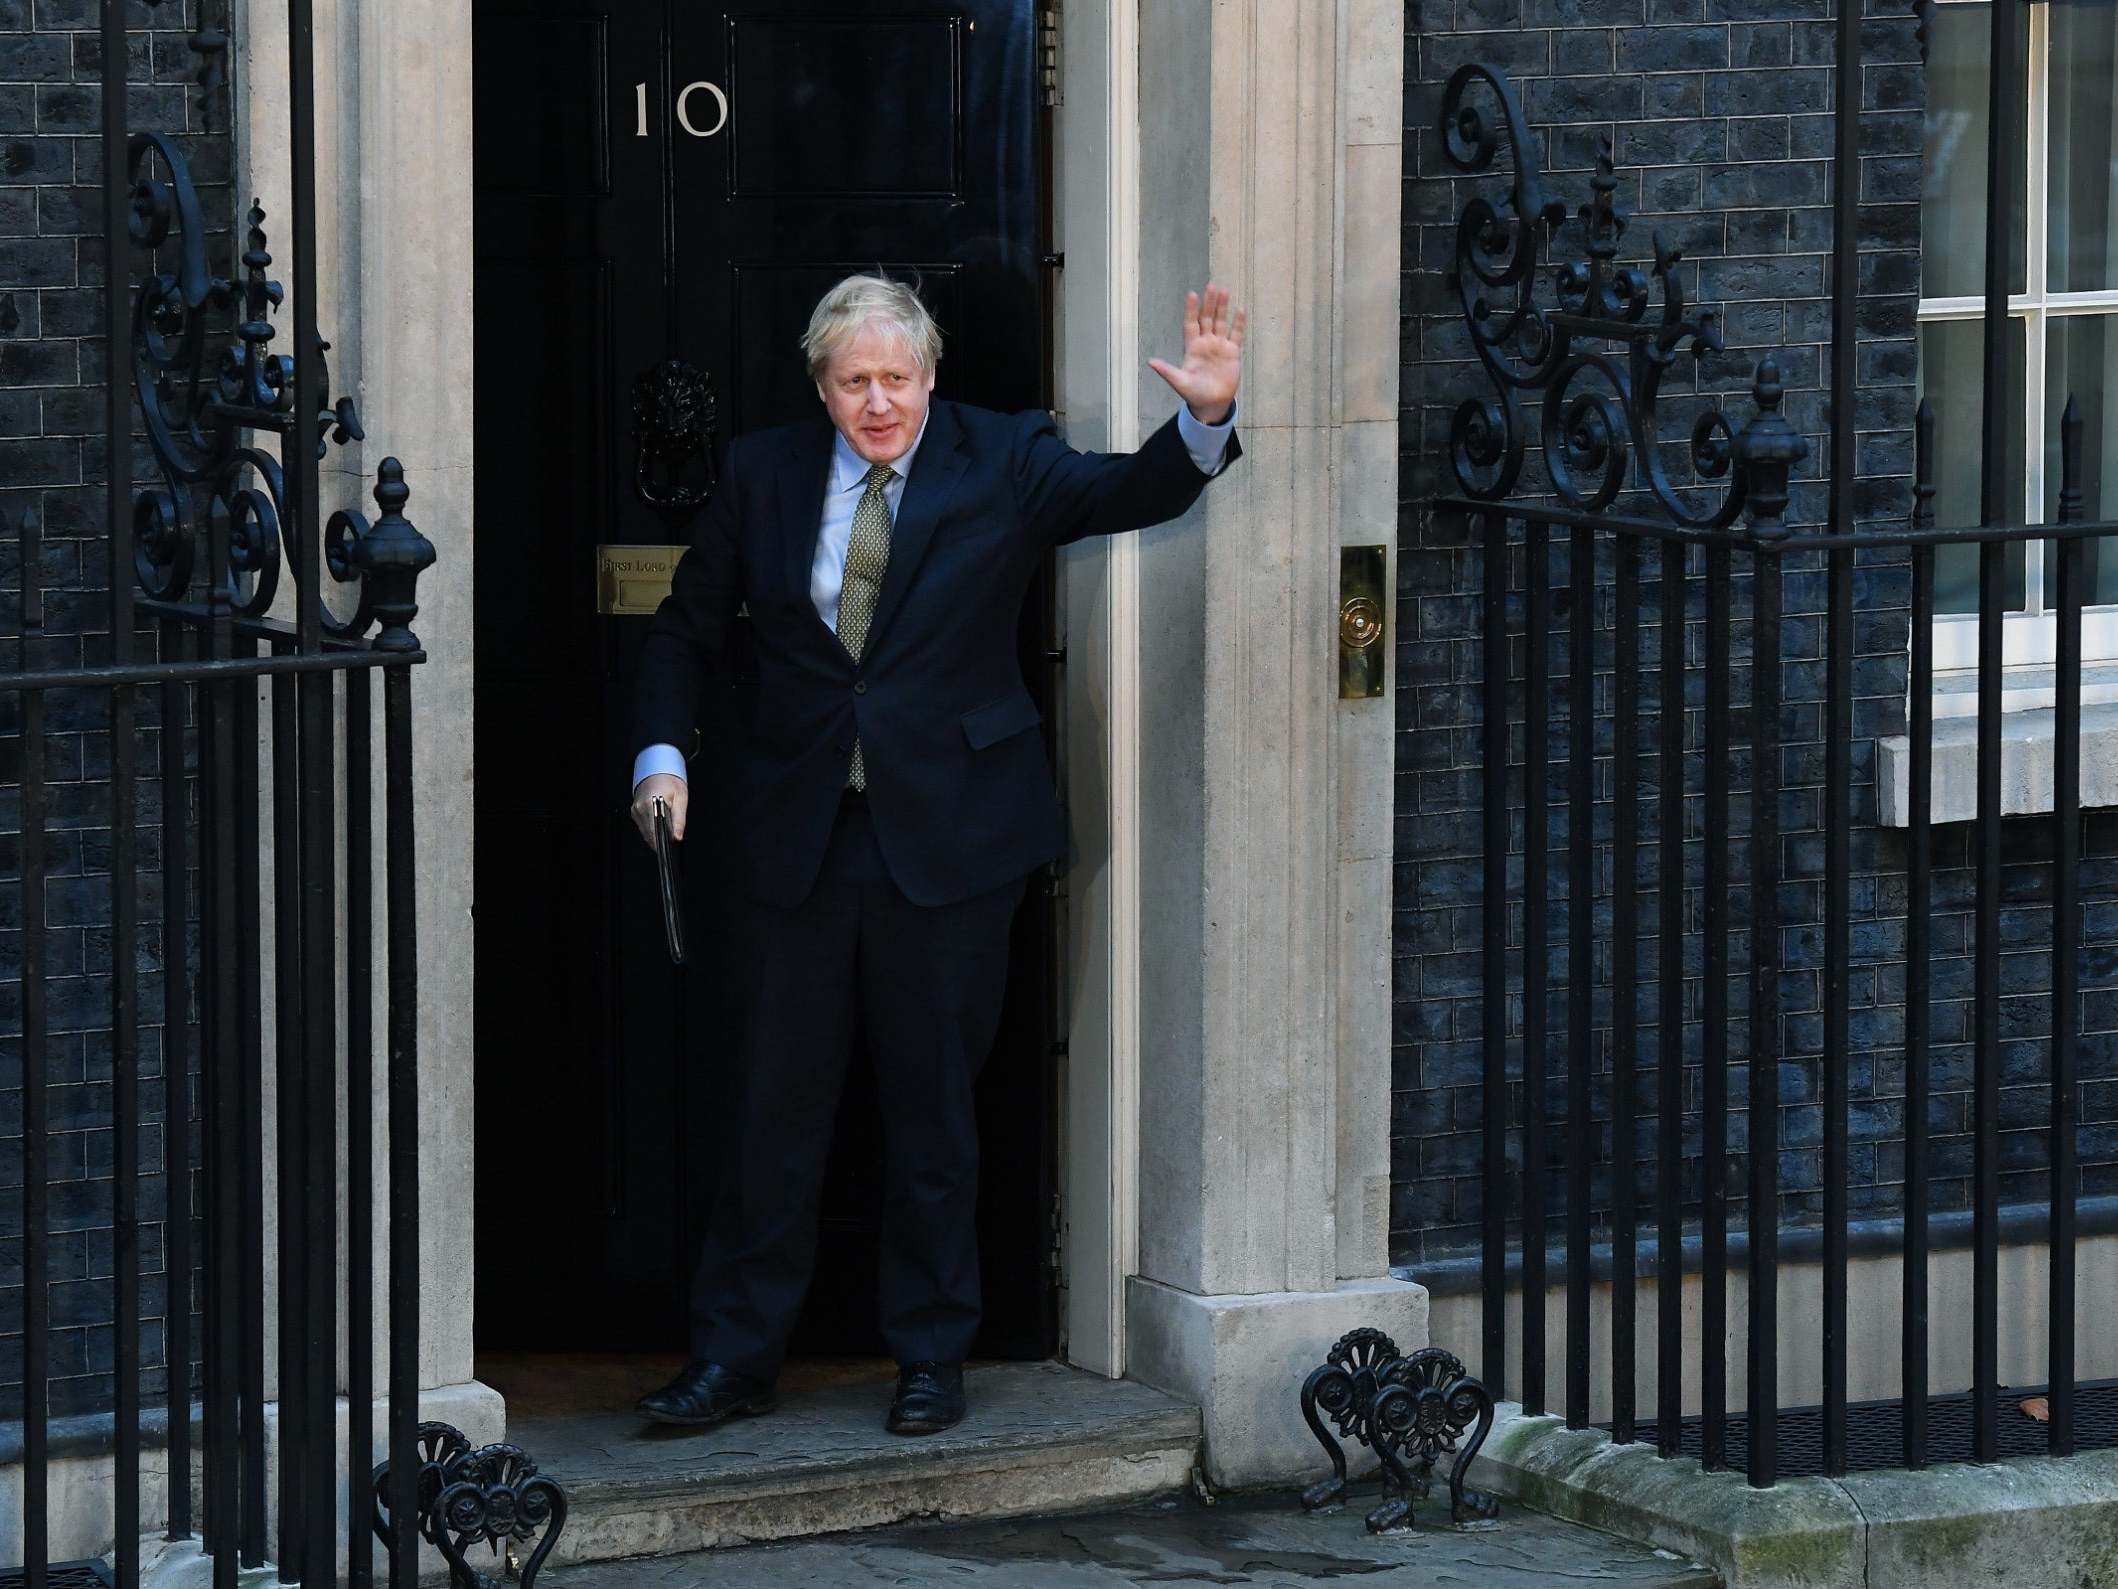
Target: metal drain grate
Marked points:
1875	1431
61	1575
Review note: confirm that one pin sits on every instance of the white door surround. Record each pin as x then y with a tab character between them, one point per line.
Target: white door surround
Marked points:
1227	1138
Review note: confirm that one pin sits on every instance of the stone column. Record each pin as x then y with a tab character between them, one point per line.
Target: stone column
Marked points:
1270	159
412	168
394	299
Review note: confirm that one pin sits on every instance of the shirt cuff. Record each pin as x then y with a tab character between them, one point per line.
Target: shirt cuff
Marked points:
1207	444
654	759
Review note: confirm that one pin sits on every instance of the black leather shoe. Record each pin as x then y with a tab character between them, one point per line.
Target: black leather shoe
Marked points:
929	1398
706	1393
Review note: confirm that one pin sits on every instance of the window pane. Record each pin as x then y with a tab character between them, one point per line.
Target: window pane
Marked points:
1953	217
1951	363
2081	353
2084	179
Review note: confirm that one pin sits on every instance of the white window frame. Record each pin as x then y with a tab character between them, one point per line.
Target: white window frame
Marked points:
2030	636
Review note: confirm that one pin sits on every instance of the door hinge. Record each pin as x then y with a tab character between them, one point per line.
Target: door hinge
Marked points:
1048	57
1053	1252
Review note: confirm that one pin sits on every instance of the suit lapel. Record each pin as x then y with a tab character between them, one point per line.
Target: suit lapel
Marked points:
936	470
804	473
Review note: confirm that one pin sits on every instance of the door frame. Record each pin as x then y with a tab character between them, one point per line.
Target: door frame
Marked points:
1097	166
1096	187
1097	356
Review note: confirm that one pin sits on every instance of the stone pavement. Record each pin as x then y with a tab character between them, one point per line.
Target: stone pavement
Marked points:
1263	1540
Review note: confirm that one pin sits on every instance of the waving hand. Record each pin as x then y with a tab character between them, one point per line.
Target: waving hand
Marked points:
1213	356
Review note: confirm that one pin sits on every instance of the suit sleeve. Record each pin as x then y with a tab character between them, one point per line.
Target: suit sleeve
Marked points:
688	638
1066	495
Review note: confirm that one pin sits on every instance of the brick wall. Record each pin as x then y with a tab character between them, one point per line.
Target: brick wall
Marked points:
1718	112
53	459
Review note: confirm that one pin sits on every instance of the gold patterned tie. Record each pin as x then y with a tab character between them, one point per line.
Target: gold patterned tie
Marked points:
867	555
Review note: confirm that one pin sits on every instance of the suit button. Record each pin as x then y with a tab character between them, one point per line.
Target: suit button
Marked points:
860	686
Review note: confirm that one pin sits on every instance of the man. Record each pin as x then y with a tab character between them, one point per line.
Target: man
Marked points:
897	798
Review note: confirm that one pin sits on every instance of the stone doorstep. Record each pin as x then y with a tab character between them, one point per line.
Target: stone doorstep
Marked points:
2037	1521
1040	1437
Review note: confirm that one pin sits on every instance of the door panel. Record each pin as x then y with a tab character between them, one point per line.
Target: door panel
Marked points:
906	143
899	134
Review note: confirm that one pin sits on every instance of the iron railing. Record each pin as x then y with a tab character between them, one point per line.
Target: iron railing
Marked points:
205	400
1666	561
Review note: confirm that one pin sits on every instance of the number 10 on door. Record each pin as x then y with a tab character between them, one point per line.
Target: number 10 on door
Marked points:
684	120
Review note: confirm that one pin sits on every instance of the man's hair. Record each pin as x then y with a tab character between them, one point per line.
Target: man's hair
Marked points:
859	301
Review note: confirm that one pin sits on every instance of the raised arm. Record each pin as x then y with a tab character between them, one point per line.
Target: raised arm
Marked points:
1068	494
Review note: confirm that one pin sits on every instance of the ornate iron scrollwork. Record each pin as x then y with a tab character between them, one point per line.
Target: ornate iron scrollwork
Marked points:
1599	423
203	397
491	1495
1411	1411
1420	1415
210	45
674	416
1343	1390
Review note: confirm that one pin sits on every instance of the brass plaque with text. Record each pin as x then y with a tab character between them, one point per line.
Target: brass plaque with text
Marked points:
632	580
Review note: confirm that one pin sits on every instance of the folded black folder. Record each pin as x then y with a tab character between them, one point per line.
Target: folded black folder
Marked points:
666	868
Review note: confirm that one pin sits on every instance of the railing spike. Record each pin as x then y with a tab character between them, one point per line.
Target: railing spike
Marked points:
2070	463
1923	486
29	536
1766	450
392	556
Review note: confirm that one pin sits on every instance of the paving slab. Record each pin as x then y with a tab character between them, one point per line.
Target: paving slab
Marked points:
1262	1540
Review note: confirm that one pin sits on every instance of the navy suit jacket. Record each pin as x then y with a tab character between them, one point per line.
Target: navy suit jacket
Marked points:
959	789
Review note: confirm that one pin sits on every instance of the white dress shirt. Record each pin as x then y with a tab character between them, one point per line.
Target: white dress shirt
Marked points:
1207	444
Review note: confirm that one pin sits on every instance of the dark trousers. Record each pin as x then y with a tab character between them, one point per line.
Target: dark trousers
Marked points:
925	984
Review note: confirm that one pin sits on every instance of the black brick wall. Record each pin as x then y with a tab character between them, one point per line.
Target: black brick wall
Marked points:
1718	111
53	459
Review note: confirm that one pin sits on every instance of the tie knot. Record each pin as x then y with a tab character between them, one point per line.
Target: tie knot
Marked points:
880	475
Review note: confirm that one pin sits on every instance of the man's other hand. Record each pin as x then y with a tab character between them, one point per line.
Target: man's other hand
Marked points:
1213	356
673	791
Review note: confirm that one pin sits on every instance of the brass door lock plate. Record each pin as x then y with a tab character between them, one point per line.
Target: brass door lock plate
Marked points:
1363	621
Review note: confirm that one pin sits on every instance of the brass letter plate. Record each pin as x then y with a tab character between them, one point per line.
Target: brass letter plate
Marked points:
632	580
1363	620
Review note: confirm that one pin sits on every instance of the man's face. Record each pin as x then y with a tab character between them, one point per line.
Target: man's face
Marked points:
876	394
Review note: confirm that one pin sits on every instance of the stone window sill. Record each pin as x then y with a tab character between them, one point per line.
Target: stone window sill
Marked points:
2026	755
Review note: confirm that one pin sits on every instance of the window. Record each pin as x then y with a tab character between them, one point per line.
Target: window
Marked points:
2063	309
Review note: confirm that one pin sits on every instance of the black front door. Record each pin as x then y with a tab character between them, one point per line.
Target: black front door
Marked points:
663	182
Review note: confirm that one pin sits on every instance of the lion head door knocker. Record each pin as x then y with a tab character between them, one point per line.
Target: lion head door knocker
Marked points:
492	1495
1411	1411
674	417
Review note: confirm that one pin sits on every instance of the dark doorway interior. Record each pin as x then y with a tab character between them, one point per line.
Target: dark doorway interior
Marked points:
661	181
